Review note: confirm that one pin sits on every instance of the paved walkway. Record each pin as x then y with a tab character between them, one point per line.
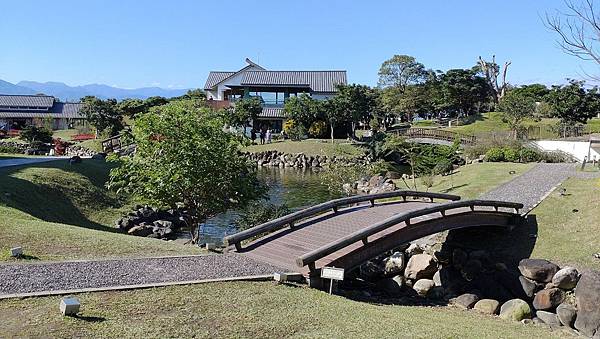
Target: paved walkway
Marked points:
534	185
70	275
26	161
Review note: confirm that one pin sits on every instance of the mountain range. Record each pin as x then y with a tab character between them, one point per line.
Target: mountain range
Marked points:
75	93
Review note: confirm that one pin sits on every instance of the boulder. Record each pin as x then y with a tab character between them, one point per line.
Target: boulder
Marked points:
420	266
566	278
140	231
395	263
548	299
436	293
471	269
370	270
423	286
414	249
539	270
465	301
515	309
392	286
459	257
566	314
529	286
437	280
99	156
487	306
548	318
587	295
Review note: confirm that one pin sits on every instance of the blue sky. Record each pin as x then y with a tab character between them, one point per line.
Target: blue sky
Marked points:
175	43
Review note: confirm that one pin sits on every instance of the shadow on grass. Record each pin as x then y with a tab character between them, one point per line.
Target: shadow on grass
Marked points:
26	257
89	319
452	189
46	201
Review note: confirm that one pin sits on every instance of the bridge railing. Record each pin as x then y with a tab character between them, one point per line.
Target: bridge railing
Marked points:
290	219
362	235
437	134
112	144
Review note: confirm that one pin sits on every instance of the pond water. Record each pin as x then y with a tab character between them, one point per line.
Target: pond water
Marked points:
296	188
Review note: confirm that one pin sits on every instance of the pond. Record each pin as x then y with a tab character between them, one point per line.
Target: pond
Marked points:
296	188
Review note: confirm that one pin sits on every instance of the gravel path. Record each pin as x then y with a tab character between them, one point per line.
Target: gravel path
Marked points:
52	276
531	187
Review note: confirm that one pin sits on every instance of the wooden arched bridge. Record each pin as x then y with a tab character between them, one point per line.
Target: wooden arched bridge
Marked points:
346	232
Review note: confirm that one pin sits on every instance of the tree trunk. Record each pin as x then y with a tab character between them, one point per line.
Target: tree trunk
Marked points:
332	133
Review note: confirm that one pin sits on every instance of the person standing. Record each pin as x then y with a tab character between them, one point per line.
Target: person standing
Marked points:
268	136
262	136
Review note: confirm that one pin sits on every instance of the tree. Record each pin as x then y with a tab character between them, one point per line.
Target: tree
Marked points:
245	110
132	107
460	91
192	94
537	92
104	115
32	133
401	71
358	101
155	101
516	107
572	103
491	71
185	159
303	109
335	113
578	29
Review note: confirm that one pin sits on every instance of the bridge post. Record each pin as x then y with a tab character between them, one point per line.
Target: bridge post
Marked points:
372	202
335	209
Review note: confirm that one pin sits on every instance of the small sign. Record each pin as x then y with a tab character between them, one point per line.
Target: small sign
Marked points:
332	273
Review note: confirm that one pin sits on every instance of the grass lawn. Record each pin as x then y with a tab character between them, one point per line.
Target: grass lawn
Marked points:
470	181
58	211
64	134
310	147
566	236
94	145
248	310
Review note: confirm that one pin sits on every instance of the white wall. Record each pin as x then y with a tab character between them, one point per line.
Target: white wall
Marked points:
579	149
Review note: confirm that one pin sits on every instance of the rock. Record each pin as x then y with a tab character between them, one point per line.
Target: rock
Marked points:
548	318
394	264
75	160
515	309
437	279
99	156
459	257
566	314
392	286
375	180
548	299
423	286
539	270
587	295
487	306
537	321
414	249
529	286
420	266
436	293
471	269
566	278
466	301
370	270
140	231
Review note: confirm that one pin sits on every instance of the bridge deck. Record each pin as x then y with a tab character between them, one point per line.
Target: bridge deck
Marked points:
281	248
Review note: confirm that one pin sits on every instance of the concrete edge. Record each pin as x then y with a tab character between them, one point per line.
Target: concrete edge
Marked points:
51	262
264	277
546	195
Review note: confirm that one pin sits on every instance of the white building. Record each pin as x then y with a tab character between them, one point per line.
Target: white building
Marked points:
272	87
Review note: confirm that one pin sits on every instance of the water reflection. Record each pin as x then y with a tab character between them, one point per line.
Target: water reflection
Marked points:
297	188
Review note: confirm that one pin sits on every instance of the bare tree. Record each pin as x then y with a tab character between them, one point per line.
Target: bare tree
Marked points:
491	71
578	28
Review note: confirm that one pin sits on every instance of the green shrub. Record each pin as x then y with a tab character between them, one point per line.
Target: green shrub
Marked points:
494	155
444	167
553	157
317	129
294	130
511	155
529	155
9	149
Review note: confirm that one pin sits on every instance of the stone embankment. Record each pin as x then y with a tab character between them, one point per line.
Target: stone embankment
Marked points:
300	160
76	150
541	292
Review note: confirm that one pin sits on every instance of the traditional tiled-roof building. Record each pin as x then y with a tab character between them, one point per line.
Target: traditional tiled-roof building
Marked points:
272	87
17	111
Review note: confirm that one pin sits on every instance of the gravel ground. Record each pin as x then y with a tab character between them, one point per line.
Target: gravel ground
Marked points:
532	186
36	277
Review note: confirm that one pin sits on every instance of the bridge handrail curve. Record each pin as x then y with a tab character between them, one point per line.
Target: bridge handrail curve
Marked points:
362	235
438	134
279	223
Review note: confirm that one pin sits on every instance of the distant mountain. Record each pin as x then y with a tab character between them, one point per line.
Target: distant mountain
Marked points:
75	93
8	88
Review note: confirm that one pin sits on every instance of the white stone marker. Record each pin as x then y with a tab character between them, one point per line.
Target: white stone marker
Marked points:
283	277
16	251
69	306
210	246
